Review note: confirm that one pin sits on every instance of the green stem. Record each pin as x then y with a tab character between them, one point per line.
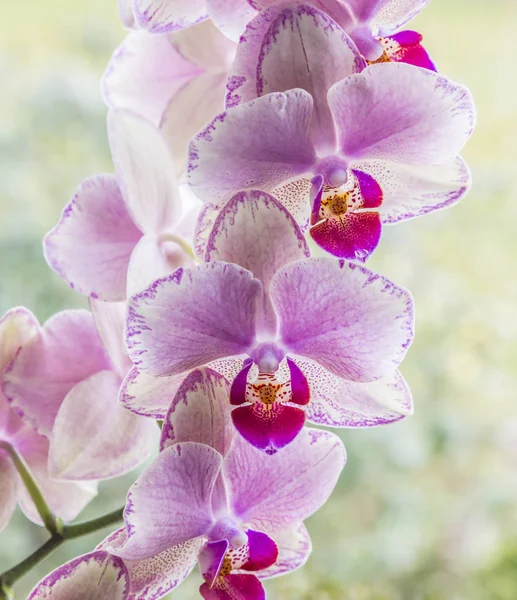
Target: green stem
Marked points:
67	532
52	524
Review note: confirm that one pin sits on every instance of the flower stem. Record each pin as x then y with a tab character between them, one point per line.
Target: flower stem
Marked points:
52	524
67	532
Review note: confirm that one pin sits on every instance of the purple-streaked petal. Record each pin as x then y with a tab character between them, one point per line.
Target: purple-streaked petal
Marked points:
147	395
200	412
235	587
256	232
355	323
91	245
259	144
336	402
294	547
94	437
274	492
204	225
395	111
110	321
8	489
144	73
393	14
67	350
145	171
170	503
161	16
93	576
411	191
66	499
268	427
353	236
211	560
263	551
192	317
294	46
153	577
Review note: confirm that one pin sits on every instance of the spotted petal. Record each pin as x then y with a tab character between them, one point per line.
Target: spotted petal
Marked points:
161	16
94	576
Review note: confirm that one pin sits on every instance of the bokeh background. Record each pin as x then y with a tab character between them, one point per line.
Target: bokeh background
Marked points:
426	508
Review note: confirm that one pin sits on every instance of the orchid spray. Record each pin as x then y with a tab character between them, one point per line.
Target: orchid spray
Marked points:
221	333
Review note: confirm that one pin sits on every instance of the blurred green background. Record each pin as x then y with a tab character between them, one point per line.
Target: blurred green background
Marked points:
425	509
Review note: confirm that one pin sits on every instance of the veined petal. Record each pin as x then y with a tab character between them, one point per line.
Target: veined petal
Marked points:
91	245
67	350
93	576
294	46
394	111
192	317
160	16
355	323
274	492
255	231
336	402
200	412
145	171
153	577
170	503
94	437
147	395
294	548
144	73
411	191
259	144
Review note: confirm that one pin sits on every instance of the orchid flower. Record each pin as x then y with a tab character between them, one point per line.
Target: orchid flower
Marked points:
209	498
372	24
120	232
314	337
367	146
171	80
64	382
17	328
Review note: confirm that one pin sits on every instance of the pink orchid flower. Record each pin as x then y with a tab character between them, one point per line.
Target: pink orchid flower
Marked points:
345	147
17	328
122	231
208	498
171	80
65	380
316	338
